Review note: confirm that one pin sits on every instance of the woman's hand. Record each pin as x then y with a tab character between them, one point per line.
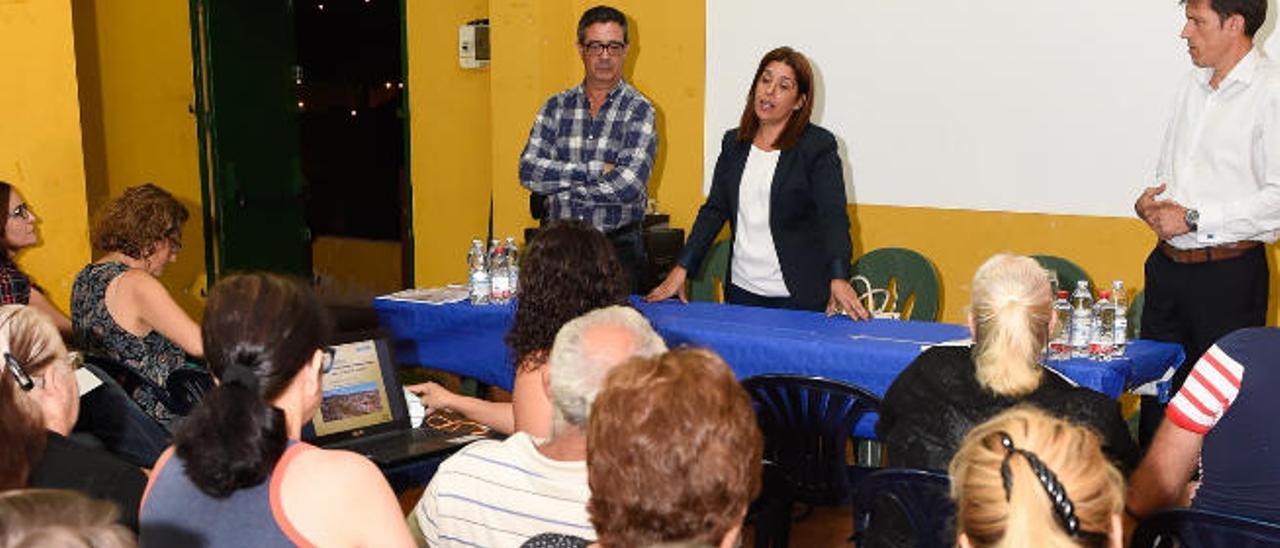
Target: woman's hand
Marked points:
673	285
434	397
844	300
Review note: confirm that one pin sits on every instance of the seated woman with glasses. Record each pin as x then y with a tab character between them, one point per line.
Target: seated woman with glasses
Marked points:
569	269
1025	478
119	309
39	403
18	232
237	474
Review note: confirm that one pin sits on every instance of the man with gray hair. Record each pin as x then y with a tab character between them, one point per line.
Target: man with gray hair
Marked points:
494	493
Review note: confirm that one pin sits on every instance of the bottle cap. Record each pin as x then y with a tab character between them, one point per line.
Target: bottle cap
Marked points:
1104	294
1062	294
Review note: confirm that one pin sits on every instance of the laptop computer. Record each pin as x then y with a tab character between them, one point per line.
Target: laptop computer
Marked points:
362	407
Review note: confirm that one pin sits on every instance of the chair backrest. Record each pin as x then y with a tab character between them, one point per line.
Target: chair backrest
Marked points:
807	423
182	391
914	280
1068	272
715	267
921	500
1202	528
1135	314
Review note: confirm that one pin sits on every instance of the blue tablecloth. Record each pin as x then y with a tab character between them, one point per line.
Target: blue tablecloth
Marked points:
466	340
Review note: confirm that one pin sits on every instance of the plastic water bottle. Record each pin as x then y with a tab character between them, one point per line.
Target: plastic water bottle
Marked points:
1081	319
1104	327
1120	301
513	265
1060	339
478	274
499	274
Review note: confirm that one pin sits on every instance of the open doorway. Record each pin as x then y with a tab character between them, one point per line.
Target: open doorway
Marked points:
303	133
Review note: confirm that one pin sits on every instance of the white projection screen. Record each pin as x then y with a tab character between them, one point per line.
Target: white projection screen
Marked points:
1001	105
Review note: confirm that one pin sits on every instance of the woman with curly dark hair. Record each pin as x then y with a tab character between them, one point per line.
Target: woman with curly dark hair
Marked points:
119	309
570	269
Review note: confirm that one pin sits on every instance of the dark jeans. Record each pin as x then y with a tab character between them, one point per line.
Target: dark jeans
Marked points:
1194	305
110	415
628	243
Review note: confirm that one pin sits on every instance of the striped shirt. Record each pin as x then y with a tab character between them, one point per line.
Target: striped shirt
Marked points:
1236	414
567	150
496	494
1208	392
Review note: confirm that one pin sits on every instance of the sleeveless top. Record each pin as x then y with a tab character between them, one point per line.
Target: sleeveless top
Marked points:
175	512
97	333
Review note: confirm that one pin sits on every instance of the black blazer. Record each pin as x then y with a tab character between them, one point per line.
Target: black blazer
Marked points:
807	214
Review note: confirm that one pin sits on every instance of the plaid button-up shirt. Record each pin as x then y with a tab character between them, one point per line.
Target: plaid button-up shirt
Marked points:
567	150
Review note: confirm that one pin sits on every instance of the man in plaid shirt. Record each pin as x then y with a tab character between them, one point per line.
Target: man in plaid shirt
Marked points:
591	148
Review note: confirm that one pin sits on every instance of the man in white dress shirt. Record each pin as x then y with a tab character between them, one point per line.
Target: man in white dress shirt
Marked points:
1217	200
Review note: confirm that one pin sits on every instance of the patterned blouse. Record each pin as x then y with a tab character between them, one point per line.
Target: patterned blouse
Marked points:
15	286
154	356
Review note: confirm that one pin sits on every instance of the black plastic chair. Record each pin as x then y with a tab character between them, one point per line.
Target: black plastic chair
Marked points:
806	422
183	389
1187	527
904	503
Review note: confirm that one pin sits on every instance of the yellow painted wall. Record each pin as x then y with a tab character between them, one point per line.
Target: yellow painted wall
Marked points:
137	94
40	141
450	129
958	241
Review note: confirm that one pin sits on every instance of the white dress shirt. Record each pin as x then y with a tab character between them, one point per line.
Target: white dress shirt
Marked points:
755	259
1221	154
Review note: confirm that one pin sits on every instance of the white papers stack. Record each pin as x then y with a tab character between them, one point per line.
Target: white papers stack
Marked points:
431	295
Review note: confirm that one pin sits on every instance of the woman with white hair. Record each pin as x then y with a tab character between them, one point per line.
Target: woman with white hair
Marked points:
947	390
39	403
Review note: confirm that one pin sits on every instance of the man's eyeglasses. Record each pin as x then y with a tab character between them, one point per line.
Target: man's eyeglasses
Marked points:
330	356
22	212
596	48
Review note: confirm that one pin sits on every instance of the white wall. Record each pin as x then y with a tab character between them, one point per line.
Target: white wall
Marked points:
1009	105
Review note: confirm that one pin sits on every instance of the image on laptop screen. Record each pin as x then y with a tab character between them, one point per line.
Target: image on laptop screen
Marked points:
353	392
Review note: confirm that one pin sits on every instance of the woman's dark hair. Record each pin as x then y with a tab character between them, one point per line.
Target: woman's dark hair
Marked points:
135	222
568	270
272	326
601	14
34	342
5	190
750	123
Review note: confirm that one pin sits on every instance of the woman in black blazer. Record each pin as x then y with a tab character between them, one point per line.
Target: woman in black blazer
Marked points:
779	185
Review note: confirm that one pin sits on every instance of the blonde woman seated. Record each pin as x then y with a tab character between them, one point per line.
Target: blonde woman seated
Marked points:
39	403
947	390
119	309
1025	478
55	517
569	269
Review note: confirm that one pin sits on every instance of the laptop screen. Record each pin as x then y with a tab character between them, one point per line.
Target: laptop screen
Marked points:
354	393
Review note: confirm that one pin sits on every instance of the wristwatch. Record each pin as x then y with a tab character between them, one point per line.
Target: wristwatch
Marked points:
1192	218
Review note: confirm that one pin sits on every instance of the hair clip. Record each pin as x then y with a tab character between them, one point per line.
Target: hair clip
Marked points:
19	374
1063	508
